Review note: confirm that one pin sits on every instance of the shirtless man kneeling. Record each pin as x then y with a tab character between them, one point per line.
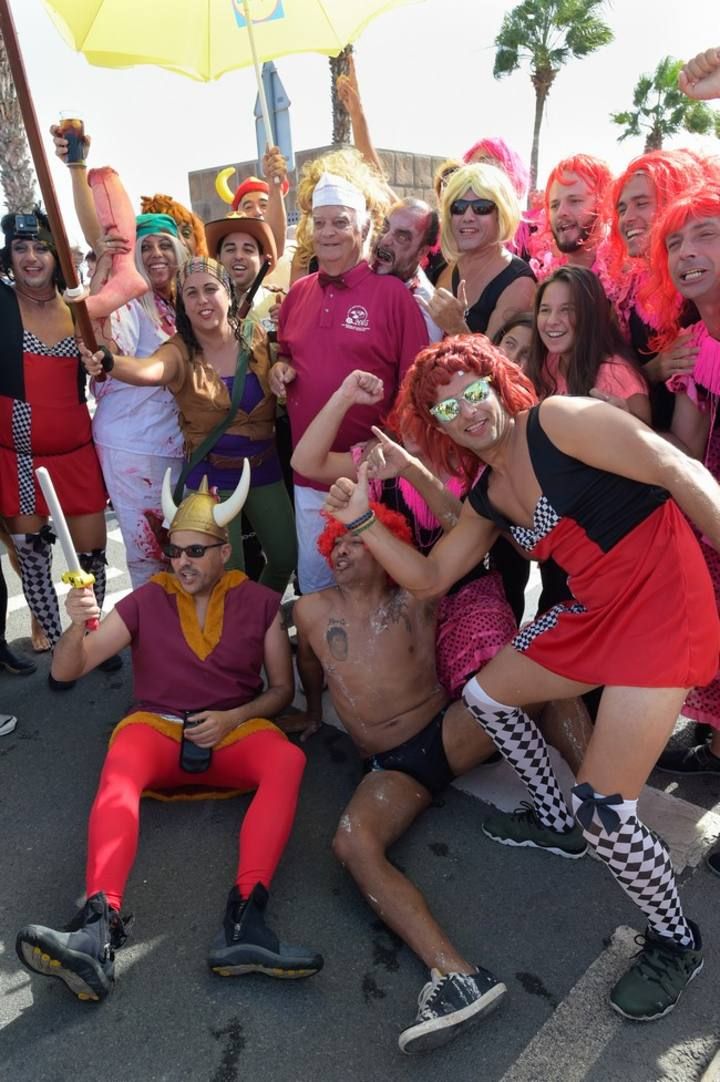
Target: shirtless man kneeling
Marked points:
375	644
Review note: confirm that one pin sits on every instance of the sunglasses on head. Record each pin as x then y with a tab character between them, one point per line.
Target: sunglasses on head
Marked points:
480	207
195	552
449	408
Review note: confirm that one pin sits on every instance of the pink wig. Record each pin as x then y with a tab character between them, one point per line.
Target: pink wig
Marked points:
670	172
658	294
499	153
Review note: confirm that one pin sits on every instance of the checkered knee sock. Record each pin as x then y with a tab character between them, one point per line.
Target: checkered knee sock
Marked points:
637	858
519	740
34	553
94	563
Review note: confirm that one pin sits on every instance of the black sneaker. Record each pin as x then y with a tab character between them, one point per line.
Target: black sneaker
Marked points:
449	1004
14	663
246	945
83	955
699	760
60	685
658	976
523	828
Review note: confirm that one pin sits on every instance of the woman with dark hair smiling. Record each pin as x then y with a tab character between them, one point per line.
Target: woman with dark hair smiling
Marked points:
217	369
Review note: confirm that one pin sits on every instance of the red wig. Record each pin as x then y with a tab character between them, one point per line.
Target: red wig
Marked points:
499	153
670	172
658	294
435	367
396	523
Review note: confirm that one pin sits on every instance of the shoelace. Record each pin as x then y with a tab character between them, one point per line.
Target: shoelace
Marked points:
428	993
654	958
525	811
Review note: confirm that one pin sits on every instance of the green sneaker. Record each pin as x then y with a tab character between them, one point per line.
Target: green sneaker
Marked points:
523	828
660	973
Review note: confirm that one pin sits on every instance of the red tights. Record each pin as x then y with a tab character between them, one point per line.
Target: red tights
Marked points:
141	758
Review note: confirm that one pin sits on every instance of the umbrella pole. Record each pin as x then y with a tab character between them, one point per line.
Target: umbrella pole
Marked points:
47	188
269	134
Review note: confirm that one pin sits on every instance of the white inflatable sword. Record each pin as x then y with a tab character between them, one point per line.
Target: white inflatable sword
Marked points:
74	575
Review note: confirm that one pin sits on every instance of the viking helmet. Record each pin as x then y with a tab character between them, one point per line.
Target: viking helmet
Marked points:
201	511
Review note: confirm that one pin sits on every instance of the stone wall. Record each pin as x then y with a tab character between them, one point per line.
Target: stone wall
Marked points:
409	175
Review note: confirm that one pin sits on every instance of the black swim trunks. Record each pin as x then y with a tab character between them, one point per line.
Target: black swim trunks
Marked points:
422	757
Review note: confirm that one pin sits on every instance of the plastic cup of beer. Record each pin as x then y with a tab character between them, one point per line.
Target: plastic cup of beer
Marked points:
72	128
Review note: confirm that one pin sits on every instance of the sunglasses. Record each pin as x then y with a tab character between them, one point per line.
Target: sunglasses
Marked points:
480	207
449	408
195	552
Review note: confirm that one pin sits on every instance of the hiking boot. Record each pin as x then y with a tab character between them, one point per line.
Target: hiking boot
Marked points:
523	828
8	724
658	976
449	1004
83	955
15	663
246	945
699	760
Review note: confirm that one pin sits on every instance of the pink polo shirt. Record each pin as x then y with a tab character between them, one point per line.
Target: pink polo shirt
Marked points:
615	376
327	332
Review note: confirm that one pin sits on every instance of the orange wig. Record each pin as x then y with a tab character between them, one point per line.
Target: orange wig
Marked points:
165	204
434	367
393	521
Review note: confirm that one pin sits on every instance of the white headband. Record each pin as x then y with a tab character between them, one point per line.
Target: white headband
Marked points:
334	191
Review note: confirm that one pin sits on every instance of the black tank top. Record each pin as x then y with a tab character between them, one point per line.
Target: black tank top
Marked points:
478	317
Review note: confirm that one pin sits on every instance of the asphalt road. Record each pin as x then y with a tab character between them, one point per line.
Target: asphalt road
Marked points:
540	923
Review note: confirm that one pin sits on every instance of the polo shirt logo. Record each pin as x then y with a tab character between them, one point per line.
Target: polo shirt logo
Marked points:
357	318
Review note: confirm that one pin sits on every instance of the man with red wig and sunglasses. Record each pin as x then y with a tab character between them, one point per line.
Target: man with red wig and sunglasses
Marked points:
600	492
375	645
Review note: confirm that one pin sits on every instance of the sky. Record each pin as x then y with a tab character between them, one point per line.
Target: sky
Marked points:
425	74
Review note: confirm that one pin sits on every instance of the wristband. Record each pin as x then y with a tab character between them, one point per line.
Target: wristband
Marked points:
108	361
366	524
360	519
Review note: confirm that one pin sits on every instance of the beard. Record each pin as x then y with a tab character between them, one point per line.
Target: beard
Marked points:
568	246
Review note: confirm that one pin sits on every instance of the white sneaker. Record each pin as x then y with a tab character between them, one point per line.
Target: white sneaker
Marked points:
7	724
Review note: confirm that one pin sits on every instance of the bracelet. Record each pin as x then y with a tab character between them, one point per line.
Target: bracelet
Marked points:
365	526
359	520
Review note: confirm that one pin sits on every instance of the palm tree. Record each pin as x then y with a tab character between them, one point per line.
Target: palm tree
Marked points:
340	116
547	33
660	109
17	177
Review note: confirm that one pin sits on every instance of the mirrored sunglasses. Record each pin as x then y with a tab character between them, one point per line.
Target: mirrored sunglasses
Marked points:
449	408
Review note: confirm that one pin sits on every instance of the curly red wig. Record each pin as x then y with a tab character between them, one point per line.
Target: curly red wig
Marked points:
396	523
434	367
670	172
658	294
165	204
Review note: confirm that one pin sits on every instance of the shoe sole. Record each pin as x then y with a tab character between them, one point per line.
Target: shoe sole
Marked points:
429	1035
527	844
268	971
660	1014
687	773
8	727
85	979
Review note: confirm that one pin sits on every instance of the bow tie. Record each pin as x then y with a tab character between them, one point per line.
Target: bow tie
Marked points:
326	280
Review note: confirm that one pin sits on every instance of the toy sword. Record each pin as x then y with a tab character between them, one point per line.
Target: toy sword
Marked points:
75	575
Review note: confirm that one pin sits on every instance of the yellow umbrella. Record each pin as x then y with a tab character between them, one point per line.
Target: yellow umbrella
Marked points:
206	38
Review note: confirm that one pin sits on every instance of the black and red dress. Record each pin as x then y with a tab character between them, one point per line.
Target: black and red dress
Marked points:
642	612
44	421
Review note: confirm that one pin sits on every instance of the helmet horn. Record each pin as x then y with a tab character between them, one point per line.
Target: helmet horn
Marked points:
224	512
168	504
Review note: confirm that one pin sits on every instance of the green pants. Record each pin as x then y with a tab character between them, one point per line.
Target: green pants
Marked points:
270	513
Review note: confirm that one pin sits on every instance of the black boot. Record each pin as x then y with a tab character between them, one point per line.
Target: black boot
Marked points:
15	663
246	945
83	955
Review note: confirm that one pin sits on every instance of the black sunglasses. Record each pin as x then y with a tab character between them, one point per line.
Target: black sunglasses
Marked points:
195	552
480	207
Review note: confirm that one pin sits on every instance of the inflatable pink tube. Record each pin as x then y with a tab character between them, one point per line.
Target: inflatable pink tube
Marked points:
115	213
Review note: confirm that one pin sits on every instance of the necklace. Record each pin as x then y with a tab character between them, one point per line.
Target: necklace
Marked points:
36	300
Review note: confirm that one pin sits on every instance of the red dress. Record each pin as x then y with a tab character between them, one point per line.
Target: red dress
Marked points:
48	426
643	612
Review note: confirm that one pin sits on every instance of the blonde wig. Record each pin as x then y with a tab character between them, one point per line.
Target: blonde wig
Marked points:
487	182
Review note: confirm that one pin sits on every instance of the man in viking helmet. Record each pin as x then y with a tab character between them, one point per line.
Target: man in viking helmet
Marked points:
200	637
